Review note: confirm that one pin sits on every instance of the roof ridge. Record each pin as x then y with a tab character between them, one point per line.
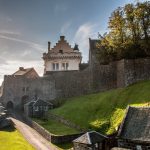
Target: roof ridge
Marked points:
89	139
124	119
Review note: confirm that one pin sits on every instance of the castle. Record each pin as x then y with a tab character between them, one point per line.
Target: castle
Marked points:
62	57
65	76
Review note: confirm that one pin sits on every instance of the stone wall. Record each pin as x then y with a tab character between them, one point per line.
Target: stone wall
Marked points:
66	84
56	139
66	122
136	70
20	90
133	144
104	77
71	83
120	73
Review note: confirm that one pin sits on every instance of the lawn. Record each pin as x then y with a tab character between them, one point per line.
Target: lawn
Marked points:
55	127
11	139
104	111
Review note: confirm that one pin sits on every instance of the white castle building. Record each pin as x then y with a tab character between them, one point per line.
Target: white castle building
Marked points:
62	57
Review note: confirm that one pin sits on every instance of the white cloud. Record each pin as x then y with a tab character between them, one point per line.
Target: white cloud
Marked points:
31	44
18	52
12	66
9	32
84	32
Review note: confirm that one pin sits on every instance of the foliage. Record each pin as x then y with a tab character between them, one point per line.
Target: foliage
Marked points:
129	33
11	139
99	125
104	111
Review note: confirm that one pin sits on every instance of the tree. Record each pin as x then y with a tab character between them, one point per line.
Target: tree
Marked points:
129	35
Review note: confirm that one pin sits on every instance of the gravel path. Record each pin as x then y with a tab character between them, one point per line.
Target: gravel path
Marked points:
32	136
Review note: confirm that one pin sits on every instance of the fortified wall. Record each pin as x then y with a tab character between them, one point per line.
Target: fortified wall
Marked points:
64	84
101	78
19	90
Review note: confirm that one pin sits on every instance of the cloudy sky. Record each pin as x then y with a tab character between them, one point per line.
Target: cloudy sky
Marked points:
27	25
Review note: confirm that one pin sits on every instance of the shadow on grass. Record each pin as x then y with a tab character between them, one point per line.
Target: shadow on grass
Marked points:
8	129
65	146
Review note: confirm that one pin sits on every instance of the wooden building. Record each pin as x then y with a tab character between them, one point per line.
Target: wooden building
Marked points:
37	108
91	140
26	72
134	132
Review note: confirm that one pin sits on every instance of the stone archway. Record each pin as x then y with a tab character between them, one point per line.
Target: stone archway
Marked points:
24	100
10	105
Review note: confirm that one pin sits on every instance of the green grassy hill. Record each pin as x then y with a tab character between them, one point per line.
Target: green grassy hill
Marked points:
104	111
11	139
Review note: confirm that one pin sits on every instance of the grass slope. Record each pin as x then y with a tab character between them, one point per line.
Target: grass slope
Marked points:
104	111
11	139
55	127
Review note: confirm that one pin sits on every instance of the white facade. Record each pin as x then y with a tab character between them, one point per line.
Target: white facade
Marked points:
62	57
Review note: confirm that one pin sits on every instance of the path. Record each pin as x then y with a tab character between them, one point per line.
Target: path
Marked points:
32	136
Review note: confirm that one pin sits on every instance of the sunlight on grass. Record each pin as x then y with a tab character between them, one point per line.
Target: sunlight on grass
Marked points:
104	111
11	139
55	127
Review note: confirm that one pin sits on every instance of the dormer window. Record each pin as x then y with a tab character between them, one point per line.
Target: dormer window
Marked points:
61	51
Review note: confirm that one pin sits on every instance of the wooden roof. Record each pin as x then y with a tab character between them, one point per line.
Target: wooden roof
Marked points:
90	137
136	124
23	71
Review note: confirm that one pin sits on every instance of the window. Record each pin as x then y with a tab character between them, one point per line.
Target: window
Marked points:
138	147
36	108
46	108
61	51
55	66
41	107
65	66
23	89
27	88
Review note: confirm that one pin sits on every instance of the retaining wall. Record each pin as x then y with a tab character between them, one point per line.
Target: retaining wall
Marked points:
56	139
66	122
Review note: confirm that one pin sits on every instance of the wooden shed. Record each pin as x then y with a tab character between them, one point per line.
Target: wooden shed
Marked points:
91	140
134	132
37	108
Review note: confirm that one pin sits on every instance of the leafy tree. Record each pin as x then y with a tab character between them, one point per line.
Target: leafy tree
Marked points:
129	33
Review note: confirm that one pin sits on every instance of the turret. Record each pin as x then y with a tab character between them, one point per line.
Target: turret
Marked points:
76	48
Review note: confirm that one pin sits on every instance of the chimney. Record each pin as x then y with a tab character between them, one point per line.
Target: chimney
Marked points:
62	38
21	68
49	45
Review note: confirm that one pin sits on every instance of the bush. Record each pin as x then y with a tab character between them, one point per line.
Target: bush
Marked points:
100	126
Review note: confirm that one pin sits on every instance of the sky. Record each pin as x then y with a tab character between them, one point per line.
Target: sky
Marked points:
27	25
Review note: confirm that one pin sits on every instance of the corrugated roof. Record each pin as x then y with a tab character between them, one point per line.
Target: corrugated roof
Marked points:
136	125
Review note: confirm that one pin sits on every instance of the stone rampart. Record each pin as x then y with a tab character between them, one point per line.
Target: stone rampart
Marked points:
66	84
136	70
56	139
66	122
